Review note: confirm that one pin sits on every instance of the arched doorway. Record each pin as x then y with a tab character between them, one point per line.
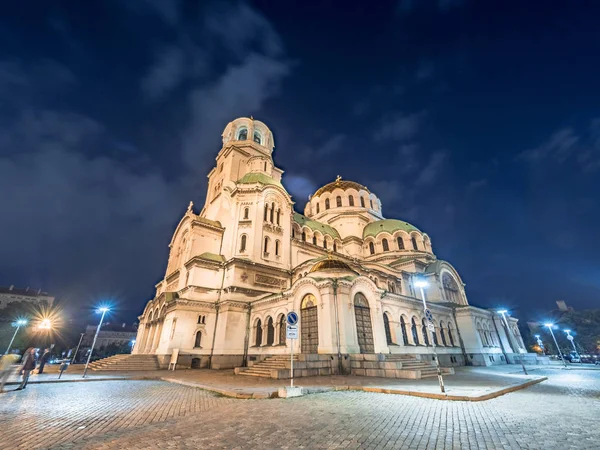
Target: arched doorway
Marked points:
309	325
364	329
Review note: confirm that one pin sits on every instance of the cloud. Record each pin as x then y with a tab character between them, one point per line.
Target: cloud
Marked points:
429	174
299	186
566	145
166	73
399	127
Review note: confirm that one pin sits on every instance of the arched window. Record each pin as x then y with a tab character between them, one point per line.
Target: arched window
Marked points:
362	202
314	239
270	331
266	212
450	287
450	335
243	134
246	212
424	331
385	244
400	243
258	333
272	212
326	203
325	243
338	201
371	248
243	244
276	248
334	247
371	203
198	339
304	236
265	169
403	328
278	215
308	301
388	331
282	328
200	319
414	243
257	137
442	335
318	208
293	232
435	338
415	333
351	201
266	249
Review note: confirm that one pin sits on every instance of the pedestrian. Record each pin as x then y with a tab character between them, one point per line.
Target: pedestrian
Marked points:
6	368
43	360
28	362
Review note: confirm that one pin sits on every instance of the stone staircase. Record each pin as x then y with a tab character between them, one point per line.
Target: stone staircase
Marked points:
279	367
394	366
126	363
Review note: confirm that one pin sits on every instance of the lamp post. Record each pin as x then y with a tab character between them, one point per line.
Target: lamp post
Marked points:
550	325
103	311
19	323
77	349
421	284
508	334
132	345
572	339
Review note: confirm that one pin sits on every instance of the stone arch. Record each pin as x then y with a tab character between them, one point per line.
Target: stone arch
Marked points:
389	337
280	325
405	325
415	326
258	332
450	288
270	330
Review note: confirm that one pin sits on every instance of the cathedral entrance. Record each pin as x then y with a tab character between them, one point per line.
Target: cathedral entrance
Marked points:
309	326
364	330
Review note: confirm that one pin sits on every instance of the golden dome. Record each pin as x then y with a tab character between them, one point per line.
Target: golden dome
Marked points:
330	264
341	184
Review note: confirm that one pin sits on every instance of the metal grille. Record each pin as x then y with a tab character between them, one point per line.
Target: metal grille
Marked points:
364	329
309	330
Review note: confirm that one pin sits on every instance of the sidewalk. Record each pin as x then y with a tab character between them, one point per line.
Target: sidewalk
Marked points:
467	384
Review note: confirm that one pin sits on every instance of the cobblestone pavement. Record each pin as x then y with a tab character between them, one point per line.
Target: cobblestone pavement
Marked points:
559	413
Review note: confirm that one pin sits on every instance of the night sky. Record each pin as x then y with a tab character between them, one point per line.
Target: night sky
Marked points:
478	122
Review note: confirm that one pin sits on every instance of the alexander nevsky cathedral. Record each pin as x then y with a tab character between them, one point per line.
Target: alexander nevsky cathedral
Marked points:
356	279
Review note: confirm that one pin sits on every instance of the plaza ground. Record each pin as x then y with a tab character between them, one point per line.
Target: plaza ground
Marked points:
560	412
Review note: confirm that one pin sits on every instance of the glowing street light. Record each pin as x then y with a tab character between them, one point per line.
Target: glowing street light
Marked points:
503	312
45	324
421	284
102	310
572	339
550	325
19	323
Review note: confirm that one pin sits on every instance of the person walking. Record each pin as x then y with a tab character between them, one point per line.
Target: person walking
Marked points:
28	365
6	369
43	360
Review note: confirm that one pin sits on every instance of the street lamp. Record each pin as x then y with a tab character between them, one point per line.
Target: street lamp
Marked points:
132	345
572	339
102	310
550	325
421	284
512	344
19	323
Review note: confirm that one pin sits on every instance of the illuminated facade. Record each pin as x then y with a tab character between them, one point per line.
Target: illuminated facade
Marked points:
236	268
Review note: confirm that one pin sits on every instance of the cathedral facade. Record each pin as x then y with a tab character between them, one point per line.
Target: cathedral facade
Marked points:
357	280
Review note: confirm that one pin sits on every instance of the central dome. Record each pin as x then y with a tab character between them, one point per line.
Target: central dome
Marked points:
341	184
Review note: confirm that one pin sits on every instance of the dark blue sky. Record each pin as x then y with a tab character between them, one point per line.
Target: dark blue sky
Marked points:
479	122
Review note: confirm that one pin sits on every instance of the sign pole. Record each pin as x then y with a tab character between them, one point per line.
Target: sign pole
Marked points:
292	362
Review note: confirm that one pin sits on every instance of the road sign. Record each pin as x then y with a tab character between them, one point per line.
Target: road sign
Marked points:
292	318
428	315
291	332
569	337
431	327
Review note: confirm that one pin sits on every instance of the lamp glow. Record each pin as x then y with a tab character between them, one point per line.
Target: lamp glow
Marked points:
549	325
537	336
103	309
21	322
421	283
45	324
502	311
567	331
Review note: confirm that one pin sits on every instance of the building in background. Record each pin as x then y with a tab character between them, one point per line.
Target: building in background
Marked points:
117	335
34	296
239	266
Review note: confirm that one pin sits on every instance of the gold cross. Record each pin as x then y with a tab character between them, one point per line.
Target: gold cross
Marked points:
338	179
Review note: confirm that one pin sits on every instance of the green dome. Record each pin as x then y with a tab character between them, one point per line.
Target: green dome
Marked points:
257	177
387	225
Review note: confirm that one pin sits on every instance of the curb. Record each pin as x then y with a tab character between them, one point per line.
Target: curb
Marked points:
460	398
82	380
225	392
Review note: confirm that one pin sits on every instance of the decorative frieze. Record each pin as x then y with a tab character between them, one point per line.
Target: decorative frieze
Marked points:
273	228
270	281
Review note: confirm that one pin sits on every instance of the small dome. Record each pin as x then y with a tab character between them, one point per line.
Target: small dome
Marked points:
341	184
330	264
248	129
387	225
